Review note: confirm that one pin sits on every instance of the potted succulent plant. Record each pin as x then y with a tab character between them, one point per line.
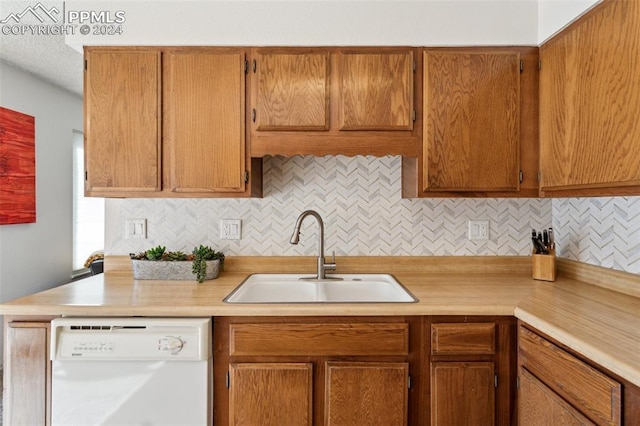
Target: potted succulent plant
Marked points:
203	263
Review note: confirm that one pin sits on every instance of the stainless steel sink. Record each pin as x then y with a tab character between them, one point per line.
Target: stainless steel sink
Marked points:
337	288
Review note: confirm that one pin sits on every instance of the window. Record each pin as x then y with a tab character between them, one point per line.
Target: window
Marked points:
88	213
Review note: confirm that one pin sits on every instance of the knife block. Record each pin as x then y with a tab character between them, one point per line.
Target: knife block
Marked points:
544	266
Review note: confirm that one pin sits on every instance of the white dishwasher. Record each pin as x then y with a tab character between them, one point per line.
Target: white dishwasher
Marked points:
131	371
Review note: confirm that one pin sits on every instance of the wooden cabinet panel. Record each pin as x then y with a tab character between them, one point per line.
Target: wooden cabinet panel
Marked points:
27	377
334	101
270	394
376	91
366	393
471	139
463	338
462	393
204	121
587	389
589	103
319	339
292	91
122	121
539	405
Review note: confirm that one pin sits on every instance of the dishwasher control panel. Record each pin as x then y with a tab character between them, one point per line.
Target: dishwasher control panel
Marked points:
131	338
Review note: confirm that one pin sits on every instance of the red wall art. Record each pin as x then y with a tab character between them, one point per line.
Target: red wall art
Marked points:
17	167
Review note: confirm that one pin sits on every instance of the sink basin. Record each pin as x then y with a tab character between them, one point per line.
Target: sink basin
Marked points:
292	288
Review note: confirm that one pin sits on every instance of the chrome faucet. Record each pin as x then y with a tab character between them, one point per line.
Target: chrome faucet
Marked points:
295	238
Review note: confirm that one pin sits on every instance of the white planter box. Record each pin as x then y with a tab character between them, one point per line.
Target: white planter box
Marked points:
168	270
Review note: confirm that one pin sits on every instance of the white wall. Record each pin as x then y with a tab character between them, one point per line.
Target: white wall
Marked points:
314	22
37	256
553	15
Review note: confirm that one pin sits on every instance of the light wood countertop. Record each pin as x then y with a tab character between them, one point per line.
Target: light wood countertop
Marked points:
602	324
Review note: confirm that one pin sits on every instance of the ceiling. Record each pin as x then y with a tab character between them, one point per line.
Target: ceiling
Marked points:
45	56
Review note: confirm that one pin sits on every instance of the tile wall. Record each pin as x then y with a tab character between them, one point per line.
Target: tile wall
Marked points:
360	201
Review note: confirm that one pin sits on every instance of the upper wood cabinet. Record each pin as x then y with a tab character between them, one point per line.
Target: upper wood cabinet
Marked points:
292	91
471	120
330	101
376	91
589	103
122	105
167	122
474	142
204	121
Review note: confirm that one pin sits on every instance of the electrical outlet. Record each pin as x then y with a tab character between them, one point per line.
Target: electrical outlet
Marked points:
230	229
478	229
135	228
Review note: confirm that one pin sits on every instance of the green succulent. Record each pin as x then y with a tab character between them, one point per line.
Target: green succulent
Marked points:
175	256
200	256
156	253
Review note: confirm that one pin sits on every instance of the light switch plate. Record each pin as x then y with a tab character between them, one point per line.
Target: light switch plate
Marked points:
478	229
135	228
230	229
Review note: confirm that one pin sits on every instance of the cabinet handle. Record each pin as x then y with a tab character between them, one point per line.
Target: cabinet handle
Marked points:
253	115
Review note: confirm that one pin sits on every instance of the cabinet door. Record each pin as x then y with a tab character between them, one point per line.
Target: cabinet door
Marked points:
471	121
462	393
589	103
376	91
291	91
122	121
270	394
204	121
539	405
366	393
27	374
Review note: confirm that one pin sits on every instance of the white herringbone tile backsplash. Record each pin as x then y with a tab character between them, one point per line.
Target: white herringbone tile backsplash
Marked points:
603	231
360	201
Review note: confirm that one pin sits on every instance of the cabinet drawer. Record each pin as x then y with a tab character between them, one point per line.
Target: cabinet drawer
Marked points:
463	339
319	339
590	391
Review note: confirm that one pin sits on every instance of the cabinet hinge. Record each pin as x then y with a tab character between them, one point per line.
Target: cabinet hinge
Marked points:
246	176
495	380
521	176
246	66
518	382
539	64
521	65
227	381
409	382
413	115
86	175
255	66
253	115
414	66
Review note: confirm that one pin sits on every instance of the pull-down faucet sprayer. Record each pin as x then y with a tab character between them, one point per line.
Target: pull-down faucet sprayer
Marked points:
295	238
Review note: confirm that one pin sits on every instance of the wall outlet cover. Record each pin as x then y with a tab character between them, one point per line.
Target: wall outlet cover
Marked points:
135	229
230	229
478	229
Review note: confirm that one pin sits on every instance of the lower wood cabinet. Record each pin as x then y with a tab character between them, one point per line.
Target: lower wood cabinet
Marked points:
27	374
303	371
270	394
560	387
462	393
472	370
385	371
366	393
